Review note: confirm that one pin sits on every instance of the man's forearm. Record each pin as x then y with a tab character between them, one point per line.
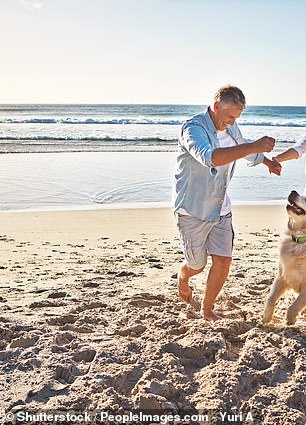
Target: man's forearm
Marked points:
222	156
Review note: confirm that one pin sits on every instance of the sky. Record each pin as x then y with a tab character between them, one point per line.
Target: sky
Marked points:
152	51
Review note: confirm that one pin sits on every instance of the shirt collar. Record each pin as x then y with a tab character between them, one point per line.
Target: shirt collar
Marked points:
209	123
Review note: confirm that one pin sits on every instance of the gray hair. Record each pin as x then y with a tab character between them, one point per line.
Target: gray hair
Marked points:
230	94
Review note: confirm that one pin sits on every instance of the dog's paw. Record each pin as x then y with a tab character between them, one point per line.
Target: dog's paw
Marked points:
291	318
267	316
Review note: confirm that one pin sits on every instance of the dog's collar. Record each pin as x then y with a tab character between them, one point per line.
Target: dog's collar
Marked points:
301	239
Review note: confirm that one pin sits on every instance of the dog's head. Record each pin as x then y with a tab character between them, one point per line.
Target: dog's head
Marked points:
296	210
296	205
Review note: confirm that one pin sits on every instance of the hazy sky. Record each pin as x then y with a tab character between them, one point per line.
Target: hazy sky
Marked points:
152	51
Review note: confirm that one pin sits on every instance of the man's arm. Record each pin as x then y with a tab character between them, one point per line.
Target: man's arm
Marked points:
222	156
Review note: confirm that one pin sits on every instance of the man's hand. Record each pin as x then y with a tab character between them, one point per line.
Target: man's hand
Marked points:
265	144
273	166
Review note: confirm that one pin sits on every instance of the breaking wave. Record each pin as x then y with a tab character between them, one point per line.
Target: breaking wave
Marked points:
143	121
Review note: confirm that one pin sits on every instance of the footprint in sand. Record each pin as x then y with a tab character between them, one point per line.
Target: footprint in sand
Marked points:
57	295
150	393
143	300
63	338
67	375
196	351
29	365
86	355
258	288
5	238
178	329
90	284
89	306
45	303
126	274
84	329
135	330
24	342
62	320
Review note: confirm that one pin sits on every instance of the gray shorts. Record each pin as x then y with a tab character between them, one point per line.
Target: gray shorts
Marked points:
202	238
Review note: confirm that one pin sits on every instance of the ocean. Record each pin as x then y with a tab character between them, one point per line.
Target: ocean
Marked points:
71	156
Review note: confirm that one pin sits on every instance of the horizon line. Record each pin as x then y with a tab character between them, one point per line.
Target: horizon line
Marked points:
137	104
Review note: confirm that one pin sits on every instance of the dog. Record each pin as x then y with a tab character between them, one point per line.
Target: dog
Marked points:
292	264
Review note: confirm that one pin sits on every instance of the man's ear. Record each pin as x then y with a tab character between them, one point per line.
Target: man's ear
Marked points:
216	106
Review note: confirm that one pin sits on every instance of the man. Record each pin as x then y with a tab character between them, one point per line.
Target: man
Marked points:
209	145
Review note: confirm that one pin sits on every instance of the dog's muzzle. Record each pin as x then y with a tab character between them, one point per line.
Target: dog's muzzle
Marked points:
292	206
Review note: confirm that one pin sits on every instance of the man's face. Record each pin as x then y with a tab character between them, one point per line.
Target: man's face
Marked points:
225	114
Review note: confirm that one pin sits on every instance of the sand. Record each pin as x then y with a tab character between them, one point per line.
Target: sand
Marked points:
90	319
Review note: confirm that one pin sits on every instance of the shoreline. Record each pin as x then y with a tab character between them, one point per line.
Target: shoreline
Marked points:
135	206
120	224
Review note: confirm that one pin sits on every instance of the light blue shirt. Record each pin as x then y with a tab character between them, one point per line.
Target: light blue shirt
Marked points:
199	185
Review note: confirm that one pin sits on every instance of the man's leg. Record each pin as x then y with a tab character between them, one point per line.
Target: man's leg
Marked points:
193	233
185	272
215	281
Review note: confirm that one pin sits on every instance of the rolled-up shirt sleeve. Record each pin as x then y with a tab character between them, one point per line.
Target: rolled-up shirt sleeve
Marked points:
255	159
195	140
300	146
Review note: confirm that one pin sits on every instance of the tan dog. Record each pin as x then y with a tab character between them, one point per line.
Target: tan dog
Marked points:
292	265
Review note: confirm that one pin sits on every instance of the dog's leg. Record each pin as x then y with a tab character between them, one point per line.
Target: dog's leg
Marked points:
298	305
277	290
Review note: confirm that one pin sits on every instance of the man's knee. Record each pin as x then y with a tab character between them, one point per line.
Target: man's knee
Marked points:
195	271
191	271
219	261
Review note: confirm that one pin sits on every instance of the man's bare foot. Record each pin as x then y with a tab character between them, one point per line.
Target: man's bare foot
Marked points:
184	290
211	316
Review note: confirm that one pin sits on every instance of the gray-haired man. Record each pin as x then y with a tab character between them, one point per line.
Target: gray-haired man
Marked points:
209	145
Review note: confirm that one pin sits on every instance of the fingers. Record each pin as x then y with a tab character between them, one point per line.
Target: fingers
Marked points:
270	143
265	144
